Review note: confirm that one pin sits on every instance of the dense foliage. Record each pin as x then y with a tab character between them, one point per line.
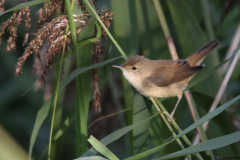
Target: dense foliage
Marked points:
71	46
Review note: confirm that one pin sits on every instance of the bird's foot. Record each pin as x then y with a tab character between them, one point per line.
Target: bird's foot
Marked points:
169	118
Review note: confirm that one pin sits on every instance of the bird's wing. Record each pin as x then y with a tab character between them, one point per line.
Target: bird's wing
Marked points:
176	72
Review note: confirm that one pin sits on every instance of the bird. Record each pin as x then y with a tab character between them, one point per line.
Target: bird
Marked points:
164	78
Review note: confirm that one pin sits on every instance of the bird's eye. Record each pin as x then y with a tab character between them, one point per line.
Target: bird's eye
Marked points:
134	68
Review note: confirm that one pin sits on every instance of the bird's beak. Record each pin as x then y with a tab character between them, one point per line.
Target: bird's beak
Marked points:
117	66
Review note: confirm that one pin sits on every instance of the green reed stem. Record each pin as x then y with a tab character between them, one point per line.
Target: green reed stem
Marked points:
175	56
169	126
162	18
81	120
177	127
56	97
92	10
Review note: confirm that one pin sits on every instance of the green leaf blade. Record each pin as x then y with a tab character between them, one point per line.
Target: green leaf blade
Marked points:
45	108
83	84
140	134
115	135
77	72
190	128
207	145
91	158
193	38
102	148
41	116
23	5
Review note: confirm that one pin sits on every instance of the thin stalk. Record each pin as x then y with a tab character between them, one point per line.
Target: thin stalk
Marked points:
231	49
169	126
56	97
162	18
107	116
195	113
174	55
92	10
171	45
167	34
221	91
176	127
202	132
81	116
233	45
166	31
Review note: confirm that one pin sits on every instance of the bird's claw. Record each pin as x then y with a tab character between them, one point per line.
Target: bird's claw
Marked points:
169	118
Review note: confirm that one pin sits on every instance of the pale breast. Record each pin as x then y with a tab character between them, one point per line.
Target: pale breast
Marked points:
163	92
172	90
152	90
135	81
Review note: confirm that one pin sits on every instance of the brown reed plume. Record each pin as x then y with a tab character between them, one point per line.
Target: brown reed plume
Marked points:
52	30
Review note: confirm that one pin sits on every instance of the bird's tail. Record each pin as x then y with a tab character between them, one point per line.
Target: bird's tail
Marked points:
197	57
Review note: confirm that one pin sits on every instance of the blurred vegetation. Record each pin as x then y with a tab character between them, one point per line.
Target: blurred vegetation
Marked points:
137	29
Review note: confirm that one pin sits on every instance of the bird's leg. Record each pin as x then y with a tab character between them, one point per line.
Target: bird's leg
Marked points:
171	115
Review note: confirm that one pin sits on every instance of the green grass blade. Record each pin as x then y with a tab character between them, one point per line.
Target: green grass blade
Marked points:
92	11
29	88
201	131
193	38
81	109
44	110
114	114
41	116
56	101
140	134
125	33
115	136
124	26
219	126
67	122
83	84
77	72
76	9
156	155
190	128
102	148
200	77
8	145
207	145
82	81
23	5
91	158
159	132
147	20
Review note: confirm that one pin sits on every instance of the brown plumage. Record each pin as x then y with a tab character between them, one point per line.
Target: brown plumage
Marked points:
197	57
172	72
164	78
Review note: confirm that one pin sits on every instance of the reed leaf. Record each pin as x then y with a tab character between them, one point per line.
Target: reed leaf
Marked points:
190	128
23	5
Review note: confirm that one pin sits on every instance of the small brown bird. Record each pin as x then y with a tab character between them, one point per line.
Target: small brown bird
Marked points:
164	78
